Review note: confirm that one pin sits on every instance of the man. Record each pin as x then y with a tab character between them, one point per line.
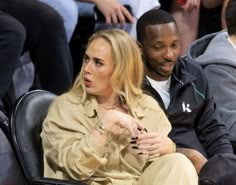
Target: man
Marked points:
181	89
216	53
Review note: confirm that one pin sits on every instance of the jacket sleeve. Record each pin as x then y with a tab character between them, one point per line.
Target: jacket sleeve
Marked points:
222	82
66	145
211	128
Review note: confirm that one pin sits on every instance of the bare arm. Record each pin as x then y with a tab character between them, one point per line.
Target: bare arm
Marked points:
194	156
223	23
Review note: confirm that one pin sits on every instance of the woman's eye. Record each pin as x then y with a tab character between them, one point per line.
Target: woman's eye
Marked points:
98	63
85	59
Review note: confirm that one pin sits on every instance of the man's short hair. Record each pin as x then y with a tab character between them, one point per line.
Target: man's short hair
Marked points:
152	17
230	17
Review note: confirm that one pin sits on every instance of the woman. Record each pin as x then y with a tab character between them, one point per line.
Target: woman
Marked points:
105	130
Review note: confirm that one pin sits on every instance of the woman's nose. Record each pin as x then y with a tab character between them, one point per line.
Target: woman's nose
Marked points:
87	67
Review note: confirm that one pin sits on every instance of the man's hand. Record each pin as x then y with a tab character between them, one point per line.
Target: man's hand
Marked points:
114	12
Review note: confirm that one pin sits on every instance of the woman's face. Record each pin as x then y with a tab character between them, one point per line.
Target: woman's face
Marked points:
98	68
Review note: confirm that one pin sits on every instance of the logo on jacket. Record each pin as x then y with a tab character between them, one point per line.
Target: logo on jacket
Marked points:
186	107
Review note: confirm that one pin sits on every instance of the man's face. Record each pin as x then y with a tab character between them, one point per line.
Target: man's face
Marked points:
160	49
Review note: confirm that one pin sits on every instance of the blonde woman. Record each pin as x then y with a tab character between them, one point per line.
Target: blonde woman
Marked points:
105	130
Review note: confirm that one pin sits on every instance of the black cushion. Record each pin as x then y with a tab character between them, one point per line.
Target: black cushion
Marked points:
219	170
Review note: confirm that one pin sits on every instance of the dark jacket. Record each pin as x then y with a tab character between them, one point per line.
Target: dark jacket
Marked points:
192	111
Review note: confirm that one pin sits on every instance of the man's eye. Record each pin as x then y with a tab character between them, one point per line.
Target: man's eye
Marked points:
158	48
175	45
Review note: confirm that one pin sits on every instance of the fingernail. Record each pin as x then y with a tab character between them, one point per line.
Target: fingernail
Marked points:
132	142
135	147
134	138
145	130
139	129
140	153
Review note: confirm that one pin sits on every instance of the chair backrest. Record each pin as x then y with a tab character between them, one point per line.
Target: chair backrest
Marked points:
10	171
25	127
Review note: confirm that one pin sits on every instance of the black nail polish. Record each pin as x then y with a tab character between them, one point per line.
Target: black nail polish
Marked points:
140	153
132	142
139	129
145	130
134	138
135	147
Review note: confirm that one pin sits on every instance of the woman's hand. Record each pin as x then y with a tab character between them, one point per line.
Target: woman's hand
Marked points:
154	144
113	120
194	156
114	12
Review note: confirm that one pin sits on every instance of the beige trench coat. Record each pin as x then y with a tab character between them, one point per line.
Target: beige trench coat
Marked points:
72	152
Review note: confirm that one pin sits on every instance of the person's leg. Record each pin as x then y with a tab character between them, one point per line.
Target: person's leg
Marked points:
68	10
46	40
170	169
12	37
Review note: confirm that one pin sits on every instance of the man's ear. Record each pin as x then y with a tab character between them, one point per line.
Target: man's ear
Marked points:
140	47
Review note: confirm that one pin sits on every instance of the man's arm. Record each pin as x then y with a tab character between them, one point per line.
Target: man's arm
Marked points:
194	156
210	128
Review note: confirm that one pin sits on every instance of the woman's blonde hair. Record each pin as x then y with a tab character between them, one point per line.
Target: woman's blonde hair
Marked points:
127	76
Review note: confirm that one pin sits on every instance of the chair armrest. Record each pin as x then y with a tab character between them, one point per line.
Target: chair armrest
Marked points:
51	181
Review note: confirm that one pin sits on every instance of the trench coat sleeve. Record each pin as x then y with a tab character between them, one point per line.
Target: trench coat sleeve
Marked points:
68	145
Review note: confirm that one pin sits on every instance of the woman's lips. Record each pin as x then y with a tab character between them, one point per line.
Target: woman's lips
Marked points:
87	82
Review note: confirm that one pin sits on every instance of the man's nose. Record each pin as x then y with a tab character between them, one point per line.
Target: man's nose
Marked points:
169	54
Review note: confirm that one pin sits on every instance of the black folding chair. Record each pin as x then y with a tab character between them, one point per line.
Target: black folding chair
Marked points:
25	126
